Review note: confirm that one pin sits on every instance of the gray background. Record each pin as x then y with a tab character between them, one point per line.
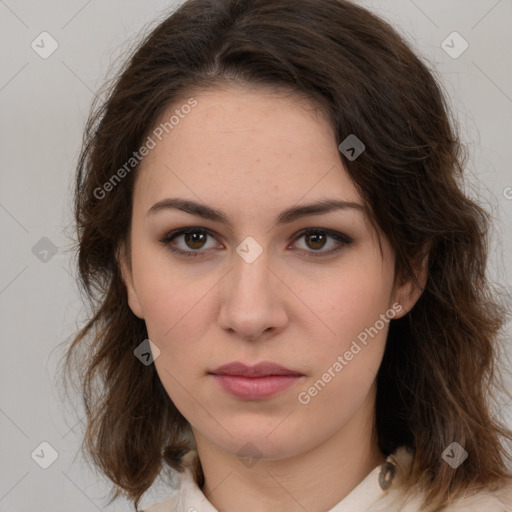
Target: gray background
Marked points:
44	105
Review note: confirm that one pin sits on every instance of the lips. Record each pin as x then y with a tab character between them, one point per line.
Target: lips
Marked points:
263	369
255	382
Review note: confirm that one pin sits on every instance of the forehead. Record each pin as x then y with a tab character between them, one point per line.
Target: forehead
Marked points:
238	142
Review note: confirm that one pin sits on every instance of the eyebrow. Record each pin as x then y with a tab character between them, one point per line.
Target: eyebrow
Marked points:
285	217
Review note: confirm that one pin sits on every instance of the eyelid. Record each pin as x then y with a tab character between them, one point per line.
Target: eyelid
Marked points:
169	237
341	238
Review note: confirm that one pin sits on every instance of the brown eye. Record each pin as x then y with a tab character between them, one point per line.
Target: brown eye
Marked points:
188	241
194	239
315	240
194	242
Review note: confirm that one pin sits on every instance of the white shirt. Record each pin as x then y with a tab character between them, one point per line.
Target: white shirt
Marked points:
378	492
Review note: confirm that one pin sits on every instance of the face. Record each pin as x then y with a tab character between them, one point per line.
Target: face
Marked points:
258	279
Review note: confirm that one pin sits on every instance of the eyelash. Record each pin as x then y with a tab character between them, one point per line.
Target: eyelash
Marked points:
339	237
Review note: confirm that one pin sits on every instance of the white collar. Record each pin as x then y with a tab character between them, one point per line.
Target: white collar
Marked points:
188	497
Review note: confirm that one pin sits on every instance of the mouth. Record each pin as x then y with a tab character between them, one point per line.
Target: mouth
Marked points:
255	382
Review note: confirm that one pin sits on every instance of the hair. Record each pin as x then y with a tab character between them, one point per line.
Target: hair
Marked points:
439	371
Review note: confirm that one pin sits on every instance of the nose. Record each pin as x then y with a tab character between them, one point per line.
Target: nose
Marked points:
252	304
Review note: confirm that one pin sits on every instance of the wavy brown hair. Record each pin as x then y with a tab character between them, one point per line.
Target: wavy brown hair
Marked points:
438	378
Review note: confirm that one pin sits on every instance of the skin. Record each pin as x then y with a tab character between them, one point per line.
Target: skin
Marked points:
253	153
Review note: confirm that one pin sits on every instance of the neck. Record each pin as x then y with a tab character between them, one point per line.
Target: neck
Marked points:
315	480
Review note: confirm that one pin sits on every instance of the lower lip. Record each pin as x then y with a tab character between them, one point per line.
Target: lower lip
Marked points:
255	388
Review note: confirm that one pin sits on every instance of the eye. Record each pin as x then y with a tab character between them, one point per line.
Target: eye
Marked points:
316	239
195	238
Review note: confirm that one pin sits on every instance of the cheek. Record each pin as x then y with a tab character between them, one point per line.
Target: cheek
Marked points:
345	364
351	304
170	295
177	325
178	317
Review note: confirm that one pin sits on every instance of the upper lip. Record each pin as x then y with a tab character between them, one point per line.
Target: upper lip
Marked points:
262	369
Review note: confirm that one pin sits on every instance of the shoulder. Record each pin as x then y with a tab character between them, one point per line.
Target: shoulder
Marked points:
489	499
495	499
401	498
185	489
168	505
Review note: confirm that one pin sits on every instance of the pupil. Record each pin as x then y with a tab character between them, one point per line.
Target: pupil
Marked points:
318	238
195	238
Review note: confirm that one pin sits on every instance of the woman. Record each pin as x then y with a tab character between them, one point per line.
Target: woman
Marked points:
291	307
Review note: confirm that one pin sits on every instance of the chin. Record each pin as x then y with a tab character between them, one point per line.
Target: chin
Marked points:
261	442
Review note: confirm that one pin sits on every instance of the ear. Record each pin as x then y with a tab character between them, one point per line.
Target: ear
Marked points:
127	276
408	290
